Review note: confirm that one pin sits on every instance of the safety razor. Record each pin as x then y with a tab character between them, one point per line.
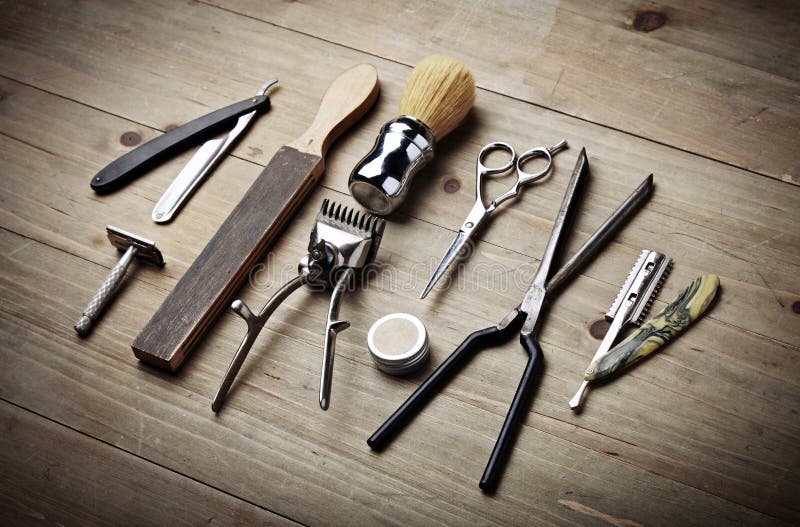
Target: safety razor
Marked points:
134	247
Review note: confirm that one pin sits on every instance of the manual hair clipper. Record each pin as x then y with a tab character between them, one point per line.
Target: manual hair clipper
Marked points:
631	305
343	241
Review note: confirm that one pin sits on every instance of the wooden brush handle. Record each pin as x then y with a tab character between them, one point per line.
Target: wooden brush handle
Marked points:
212	281
676	317
348	97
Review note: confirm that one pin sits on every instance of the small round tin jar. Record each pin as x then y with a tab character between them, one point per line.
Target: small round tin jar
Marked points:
398	343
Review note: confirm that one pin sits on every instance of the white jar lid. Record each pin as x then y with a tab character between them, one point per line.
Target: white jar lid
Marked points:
398	343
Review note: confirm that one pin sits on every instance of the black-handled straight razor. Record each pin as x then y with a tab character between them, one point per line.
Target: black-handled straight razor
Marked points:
135	163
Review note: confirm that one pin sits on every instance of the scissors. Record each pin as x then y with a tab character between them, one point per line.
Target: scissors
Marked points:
523	319
480	211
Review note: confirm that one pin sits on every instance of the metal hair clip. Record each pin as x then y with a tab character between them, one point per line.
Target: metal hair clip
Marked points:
342	242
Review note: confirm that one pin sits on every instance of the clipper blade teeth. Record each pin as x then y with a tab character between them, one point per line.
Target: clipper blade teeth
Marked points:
346	227
342	216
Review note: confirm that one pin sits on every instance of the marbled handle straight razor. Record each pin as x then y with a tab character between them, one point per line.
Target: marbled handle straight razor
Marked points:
679	315
211	283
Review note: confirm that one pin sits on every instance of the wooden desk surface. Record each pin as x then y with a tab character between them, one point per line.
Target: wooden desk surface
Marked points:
706	95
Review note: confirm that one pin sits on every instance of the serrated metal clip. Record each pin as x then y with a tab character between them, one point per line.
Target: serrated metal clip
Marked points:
639	289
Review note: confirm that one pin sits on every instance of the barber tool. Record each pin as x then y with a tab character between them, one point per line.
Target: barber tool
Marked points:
398	343
523	319
209	285
134	247
343	241
437	97
201	165
629	308
676	317
480	211
130	166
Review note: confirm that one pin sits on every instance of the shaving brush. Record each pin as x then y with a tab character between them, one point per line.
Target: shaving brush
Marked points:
437	97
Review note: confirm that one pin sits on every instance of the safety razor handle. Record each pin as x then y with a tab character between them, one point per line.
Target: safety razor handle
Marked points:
105	292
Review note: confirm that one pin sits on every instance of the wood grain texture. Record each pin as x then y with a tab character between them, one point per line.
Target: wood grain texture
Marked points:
739	223
209	285
706	434
56	476
716	79
346	100
276	433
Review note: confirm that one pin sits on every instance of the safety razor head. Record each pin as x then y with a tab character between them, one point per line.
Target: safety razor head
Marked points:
640	288
355	235
145	249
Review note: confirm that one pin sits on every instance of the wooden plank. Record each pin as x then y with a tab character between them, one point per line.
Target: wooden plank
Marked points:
714	80
703	433
57	476
743	369
717	221
733	476
209	286
313	466
717	79
211	283
713	224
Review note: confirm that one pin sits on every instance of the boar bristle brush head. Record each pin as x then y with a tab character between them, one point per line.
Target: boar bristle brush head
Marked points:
440	93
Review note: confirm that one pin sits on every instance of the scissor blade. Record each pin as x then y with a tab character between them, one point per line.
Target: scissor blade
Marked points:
449	256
